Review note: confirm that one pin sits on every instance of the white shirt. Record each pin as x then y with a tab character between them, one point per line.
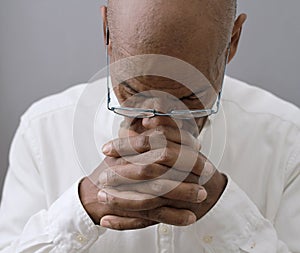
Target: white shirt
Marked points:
254	140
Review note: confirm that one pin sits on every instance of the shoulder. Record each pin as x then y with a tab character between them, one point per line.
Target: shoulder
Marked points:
55	103
255	101
58	104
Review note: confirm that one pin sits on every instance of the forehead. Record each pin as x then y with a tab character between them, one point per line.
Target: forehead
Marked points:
185	30
156	24
158	72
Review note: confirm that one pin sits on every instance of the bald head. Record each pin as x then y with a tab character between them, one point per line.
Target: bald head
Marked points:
169	26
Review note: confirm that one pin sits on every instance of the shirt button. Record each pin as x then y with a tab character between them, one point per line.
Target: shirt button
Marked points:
81	238
164	230
207	239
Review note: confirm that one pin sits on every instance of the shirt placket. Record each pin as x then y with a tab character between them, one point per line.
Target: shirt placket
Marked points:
165	238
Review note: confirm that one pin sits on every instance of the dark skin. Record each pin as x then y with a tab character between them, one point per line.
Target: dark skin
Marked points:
112	196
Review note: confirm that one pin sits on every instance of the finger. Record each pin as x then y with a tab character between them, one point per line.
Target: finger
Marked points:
184	159
176	135
134	145
169	215
174	129
181	158
151	139
106	164
132	174
129	200
124	223
126	128
207	173
172	190
114	161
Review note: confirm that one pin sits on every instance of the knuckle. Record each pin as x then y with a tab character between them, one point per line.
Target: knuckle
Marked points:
152	156
144	206
161	129
181	176
191	178
111	176
145	214
118	226
140	223
145	203
146	172
102	179
142	142
158	214
192	193
110	161
118	144
181	219
157	187
165	155
142	172
112	200
164	215
107	160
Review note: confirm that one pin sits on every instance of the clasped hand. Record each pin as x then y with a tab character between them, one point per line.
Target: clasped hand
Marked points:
151	178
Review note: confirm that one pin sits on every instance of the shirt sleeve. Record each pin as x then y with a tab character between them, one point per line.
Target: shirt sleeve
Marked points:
27	224
235	224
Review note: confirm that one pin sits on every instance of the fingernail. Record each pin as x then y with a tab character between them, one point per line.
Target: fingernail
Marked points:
106	148
102	196
202	194
105	223
191	219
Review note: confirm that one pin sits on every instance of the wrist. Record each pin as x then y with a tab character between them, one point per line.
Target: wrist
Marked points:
88	196
214	188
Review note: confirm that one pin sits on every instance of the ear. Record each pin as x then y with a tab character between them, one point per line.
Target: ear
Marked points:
107	41
236	35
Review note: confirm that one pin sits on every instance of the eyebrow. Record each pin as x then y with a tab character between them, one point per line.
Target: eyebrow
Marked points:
126	84
195	93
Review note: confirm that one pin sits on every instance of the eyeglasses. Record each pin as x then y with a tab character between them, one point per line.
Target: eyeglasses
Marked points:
150	113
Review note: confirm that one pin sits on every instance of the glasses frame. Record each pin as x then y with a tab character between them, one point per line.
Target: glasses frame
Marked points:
150	113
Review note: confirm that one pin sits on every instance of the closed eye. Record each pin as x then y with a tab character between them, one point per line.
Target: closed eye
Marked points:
128	88
196	95
193	97
131	90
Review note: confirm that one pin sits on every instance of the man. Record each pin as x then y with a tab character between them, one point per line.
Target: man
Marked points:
159	181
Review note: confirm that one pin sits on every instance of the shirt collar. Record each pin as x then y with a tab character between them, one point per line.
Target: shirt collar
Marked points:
213	137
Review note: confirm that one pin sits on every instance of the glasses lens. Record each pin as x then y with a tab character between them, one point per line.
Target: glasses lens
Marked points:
201	114
190	114
133	113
